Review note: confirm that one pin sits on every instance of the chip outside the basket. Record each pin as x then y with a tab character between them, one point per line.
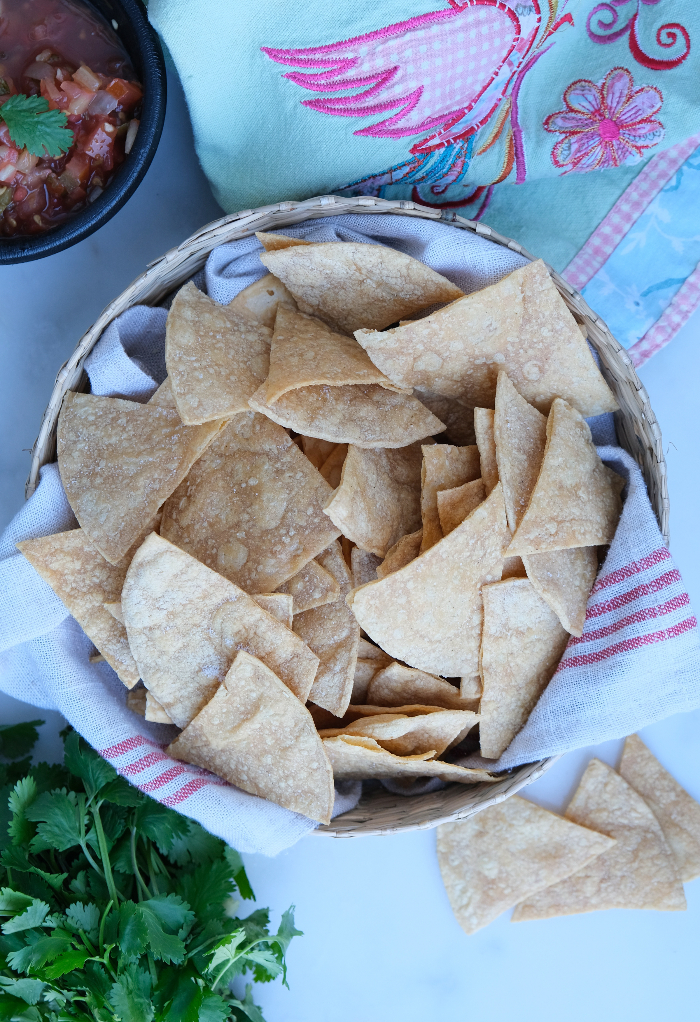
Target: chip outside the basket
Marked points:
444	467
256	735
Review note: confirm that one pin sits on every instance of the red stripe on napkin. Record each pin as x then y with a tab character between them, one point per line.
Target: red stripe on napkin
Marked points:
629	644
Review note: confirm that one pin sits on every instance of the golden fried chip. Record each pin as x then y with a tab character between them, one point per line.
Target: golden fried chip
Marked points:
521	645
368	416
311	587
120	460
368	651
332	468
84	581
274	242
444	467
486	442
363	566
673	807
154	711
407	736
520	324
506	853
365	670
256	735
458	503
305	352
278	605
576	501
520	433
259	301
513	567
378	500
396	685
564	578
136	700
638	871
317	451
429	614
216	358
406	710
401	554
186	623
352	285
115	607
357	758
333	634
252	507
470	689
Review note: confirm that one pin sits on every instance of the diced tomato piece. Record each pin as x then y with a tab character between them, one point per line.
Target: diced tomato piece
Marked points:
78	167
57	100
20	193
80	99
98	143
128	93
8	154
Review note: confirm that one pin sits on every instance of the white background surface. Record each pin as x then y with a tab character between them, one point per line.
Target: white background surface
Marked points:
381	943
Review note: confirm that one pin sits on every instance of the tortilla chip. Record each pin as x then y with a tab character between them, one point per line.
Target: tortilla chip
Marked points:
470	689
378	499
216	358
356	758
506	853
317	451
136	701
259	301
154	711
186	623
576	501
256	735
311	587
458	416
355	711
84	581
120	460
305	352
396	685
368	416
677	813
520	324
444	467
458	503
274	242
520	433
407	736
429	614
278	605
513	567
251	507
486	442
368	651
363	566
638	871
115	608
352	285
332	633
401	554
522	643
332	468
564	579
365	670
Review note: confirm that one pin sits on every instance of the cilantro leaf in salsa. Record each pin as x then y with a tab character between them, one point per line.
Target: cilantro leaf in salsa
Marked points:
33	126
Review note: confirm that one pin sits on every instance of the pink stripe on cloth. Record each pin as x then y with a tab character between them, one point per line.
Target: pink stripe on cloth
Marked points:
646	614
626	211
628	645
683	304
620	574
185	791
646	589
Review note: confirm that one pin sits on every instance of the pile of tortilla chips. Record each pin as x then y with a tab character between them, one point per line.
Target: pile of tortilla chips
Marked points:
312	574
627	840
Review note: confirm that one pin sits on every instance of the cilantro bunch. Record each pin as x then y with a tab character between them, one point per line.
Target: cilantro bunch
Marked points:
114	908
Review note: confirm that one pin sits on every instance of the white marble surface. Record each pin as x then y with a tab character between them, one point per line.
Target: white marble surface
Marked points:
381	943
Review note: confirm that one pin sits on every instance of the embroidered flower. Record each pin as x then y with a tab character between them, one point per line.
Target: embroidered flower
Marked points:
605	125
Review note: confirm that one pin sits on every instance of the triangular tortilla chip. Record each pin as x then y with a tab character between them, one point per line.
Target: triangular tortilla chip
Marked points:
305	352
564	578
368	651
470	689
257	736
352	285
317	451
84	581
251	508
368	416
486	442
120	460
332	468
278	605
520	433
378	500
115	607
429	614
673	807
363	567
522	643
407	736
311	587
444	467
186	623
638	871
458	503
396	685
154	711
520	324
357	758
274	242
136	700
401	554
576	500
365	670
216	358
259	301
333	634
506	853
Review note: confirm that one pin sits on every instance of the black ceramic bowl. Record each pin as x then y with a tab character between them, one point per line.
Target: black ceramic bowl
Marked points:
143	47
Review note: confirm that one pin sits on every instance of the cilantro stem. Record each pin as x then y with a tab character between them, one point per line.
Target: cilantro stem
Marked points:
87	942
104	853
103	920
83	843
139	879
154	882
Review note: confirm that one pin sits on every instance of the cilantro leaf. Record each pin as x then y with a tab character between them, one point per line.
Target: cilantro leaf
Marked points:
29	990
133	934
186	1002
21	797
160	824
31	124
16	858
74	959
247	1008
58	817
12	902
32	916
233	858
213	1008
122	793
172	911
195	845
163	945
88	765
36	955
84	917
130	996
17	740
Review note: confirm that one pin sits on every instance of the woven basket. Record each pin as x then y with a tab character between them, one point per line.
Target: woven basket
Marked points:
380	812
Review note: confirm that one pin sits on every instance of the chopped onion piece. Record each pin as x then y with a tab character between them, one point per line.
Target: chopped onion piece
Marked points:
40	70
84	76
131	135
103	104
